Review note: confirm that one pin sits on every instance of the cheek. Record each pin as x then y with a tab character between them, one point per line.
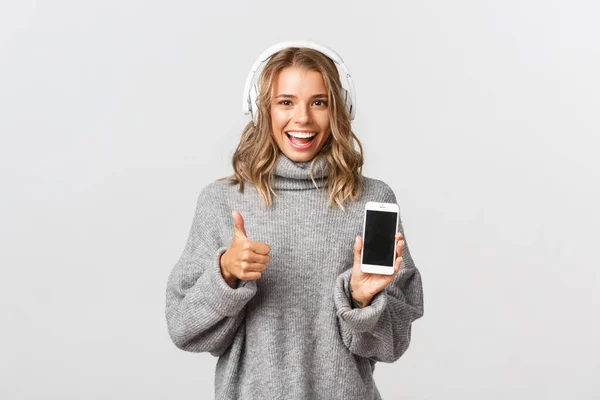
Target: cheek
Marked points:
278	118
324	121
326	137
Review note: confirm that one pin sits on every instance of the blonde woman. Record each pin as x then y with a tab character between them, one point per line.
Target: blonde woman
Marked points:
269	280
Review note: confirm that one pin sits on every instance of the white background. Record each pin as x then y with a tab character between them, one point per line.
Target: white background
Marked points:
481	115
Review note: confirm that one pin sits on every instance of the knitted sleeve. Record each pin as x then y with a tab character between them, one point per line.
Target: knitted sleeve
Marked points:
203	312
382	330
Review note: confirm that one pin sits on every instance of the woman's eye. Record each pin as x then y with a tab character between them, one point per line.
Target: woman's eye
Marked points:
284	102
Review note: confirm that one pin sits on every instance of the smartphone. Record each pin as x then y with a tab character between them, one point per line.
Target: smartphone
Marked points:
379	238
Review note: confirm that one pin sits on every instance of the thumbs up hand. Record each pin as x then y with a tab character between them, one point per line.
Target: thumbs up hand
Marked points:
244	259
363	287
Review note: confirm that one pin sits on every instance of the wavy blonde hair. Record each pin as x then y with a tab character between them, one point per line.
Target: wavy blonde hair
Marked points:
256	156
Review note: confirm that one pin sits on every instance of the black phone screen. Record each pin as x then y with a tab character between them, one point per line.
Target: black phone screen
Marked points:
380	237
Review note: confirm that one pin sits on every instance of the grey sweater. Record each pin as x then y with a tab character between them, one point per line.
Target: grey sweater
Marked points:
293	333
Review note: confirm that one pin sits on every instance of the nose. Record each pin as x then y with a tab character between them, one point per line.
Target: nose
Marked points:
302	114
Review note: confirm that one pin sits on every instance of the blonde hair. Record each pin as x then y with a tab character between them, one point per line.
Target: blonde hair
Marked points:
255	158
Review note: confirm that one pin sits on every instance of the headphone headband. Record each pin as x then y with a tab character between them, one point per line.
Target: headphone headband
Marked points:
250	106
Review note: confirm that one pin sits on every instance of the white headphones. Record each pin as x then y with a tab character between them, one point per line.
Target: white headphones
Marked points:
251	91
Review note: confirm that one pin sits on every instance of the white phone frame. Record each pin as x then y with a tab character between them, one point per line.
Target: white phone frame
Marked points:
383	207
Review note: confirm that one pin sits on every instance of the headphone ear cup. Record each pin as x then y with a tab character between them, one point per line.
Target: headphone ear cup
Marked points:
254	104
347	101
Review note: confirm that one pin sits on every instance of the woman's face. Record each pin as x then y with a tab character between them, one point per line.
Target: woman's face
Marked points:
300	105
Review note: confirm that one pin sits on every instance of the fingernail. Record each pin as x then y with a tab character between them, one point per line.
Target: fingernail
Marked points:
356	241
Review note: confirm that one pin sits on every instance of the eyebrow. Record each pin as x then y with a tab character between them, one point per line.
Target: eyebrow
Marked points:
291	96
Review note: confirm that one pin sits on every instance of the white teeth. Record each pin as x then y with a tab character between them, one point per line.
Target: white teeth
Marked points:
302	134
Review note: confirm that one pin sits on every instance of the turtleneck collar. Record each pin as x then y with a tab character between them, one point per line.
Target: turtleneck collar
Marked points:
295	175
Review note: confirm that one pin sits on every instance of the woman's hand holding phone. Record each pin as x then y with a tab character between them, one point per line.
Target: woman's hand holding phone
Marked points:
244	259
364	286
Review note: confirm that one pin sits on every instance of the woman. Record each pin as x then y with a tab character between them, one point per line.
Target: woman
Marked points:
283	303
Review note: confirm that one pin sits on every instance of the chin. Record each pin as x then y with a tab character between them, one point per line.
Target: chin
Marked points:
299	155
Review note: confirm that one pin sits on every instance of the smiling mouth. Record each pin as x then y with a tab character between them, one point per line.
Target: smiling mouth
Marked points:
301	133
301	141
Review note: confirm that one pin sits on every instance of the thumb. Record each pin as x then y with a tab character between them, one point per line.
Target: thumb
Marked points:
238	222
357	250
